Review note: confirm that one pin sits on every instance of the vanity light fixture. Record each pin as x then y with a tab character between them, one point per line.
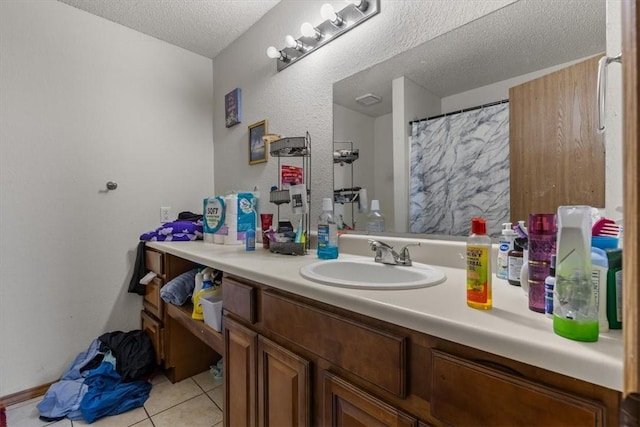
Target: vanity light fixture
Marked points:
313	37
274	53
292	43
327	12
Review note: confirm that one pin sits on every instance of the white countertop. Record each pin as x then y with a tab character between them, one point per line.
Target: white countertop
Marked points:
510	329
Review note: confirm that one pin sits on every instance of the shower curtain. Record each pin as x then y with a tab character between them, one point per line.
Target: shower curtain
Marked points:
459	169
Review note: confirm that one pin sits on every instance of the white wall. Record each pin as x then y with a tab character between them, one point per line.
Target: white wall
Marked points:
299	98
84	101
383	167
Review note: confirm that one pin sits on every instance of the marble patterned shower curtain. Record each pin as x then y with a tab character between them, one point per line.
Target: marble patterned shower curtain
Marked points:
459	170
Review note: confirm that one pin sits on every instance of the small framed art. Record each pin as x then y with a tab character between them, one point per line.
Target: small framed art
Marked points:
233	108
257	148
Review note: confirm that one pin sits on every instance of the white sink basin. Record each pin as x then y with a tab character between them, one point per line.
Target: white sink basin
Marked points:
367	274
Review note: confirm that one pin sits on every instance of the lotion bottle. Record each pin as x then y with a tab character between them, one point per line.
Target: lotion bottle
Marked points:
506	244
479	266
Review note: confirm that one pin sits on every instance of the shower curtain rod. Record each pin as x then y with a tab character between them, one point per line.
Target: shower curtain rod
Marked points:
460	111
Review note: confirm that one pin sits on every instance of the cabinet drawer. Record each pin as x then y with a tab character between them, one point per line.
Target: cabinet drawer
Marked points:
374	355
239	298
154	329
152	301
492	397
154	261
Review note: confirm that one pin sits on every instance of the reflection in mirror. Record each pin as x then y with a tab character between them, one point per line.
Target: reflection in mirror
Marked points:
473	65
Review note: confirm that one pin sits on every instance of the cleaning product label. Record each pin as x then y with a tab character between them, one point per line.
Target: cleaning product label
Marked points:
477	274
323	235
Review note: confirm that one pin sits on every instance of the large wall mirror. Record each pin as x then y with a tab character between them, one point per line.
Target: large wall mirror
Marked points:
470	68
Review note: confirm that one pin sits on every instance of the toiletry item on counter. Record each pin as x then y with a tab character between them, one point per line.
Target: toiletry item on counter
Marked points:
599	267
327	232
505	245
549	284
575	313
375	219
213	217
524	271
299	232
266	221
250	240
515	263
479	293
542	244
240	216
614	288
298	195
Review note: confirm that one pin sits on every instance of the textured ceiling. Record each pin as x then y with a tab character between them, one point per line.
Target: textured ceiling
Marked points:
525	36
201	26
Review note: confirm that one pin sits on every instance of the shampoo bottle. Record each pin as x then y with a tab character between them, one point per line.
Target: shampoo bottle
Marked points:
575	312
327	232
479	266
506	244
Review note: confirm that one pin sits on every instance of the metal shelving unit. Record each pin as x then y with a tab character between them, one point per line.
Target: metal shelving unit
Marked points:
299	147
346	156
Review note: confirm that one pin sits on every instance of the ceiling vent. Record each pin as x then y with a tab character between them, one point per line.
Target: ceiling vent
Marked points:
368	99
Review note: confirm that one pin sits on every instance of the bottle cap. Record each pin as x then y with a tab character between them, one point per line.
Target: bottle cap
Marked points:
327	204
478	226
375	205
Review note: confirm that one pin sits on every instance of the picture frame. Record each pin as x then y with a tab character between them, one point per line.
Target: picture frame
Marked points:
258	150
233	108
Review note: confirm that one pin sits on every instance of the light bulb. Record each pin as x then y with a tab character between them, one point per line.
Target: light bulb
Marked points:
290	42
273	53
327	12
309	30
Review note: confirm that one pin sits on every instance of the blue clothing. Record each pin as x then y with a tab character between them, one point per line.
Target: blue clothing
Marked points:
64	396
107	395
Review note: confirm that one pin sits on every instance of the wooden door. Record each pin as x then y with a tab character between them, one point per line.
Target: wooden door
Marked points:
556	155
240	346
346	405
284	389
630	415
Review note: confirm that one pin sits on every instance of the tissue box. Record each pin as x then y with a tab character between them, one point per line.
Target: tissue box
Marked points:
212	310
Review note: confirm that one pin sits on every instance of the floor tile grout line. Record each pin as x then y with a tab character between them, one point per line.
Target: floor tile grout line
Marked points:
173	406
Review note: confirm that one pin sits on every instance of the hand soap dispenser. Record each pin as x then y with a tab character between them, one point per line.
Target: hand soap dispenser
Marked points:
575	312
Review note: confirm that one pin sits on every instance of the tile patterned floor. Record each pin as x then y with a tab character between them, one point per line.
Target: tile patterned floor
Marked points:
194	402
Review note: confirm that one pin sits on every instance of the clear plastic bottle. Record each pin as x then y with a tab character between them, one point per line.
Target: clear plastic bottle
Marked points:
479	266
375	219
327	232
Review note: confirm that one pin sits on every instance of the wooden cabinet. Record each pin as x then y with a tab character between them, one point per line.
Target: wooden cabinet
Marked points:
490	396
346	405
266	385
182	346
294	361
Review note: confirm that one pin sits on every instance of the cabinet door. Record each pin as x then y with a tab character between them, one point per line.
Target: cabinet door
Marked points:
283	386
240	346
153	328
152	301
469	393
346	405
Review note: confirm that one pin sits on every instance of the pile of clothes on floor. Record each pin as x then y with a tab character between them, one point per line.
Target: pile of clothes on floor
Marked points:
187	227
109	378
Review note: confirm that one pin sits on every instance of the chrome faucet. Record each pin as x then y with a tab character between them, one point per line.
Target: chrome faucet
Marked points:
385	253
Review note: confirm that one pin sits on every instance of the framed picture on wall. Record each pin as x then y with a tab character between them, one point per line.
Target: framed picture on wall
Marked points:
233	108
257	148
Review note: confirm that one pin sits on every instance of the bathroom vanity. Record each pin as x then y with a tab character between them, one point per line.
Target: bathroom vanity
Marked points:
301	353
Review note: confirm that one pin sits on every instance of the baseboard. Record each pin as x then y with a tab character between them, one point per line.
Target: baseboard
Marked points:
24	395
